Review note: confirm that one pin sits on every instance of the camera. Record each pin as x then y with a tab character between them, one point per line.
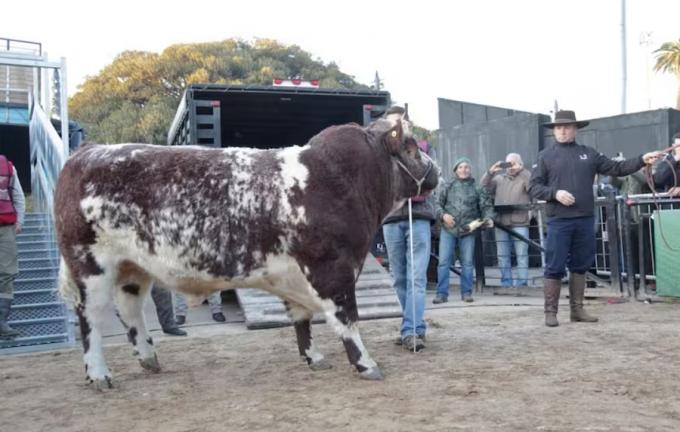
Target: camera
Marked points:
505	165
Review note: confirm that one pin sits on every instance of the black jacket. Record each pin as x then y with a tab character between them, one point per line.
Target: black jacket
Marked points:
572	167
421	210
663	177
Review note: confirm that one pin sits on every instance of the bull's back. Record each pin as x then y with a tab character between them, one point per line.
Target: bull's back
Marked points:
222	211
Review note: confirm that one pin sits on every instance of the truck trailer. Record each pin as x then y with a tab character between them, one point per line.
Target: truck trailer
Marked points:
219	115
267	117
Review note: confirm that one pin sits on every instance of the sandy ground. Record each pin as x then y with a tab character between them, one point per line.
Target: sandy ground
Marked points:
485	368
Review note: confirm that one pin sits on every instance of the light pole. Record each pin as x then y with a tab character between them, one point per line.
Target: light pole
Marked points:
624	71
646	40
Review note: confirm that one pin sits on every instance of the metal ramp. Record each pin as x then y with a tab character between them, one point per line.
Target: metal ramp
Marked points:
375	298
37	311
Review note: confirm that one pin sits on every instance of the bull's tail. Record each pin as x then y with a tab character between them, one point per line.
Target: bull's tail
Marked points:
67	286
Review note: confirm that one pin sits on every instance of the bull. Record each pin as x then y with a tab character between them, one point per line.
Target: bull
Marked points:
297	222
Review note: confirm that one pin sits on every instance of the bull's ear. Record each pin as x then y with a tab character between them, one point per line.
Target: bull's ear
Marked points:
393	138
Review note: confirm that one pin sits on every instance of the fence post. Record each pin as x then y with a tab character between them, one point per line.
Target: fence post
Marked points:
641	255
626	216
614	243
480	279
539	221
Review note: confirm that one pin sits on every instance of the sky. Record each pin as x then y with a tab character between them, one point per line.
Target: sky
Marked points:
519	54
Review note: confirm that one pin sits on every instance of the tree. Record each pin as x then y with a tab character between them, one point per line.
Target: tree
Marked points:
668	60
134	98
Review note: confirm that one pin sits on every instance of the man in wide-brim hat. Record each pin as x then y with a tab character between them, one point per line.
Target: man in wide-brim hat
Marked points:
563	177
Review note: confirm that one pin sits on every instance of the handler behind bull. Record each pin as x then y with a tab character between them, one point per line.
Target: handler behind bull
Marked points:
563	177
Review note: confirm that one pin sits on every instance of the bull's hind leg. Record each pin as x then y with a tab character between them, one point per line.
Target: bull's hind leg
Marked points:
92	312
131	290
301	318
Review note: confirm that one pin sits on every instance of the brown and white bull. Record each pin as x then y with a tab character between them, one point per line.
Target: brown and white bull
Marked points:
296	222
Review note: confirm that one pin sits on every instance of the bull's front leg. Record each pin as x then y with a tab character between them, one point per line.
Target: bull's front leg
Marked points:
343	317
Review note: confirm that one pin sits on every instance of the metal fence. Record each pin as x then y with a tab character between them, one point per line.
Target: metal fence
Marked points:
641	223
625	230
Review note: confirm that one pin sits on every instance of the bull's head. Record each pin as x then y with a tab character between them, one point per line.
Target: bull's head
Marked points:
417	173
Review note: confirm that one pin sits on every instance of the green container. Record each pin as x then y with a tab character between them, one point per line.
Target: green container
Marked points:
667	252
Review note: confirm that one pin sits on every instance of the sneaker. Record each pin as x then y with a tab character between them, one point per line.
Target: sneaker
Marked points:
467	298
219	317
440	299
407	343
180	319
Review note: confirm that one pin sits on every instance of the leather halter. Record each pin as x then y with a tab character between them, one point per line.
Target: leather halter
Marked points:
419	183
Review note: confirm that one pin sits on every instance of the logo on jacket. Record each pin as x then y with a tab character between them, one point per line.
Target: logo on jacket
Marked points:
583	156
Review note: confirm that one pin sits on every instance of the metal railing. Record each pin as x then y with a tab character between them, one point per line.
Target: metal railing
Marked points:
637	232
20	46
47	157
624	236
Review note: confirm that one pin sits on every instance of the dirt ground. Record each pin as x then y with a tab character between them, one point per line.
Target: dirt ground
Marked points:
484	369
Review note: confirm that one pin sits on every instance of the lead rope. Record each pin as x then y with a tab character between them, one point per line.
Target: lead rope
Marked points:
413	279
650	182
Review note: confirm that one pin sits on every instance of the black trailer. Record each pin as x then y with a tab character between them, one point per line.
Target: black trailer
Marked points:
218	115
266	117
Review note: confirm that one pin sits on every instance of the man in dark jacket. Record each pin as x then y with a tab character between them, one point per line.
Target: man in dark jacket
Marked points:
667	173
564	178
396	232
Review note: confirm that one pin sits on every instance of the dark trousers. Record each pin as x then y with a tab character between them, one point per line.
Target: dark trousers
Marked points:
570	243
162	299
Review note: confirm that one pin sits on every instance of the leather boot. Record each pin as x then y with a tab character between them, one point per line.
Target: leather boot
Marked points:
6	332
577	286
551	291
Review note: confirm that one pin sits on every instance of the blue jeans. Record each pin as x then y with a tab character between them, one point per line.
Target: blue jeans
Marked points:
504	243
447	247
570	243
396	236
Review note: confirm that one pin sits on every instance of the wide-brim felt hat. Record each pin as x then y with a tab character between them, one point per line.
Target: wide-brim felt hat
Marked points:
566	117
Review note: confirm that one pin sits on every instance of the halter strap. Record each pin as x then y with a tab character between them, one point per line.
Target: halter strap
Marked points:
419	183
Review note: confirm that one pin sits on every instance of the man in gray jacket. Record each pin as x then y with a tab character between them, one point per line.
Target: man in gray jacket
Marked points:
510	188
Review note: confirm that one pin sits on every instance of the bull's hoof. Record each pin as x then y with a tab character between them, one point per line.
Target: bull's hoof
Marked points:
372	374
320	365
102	384
151	364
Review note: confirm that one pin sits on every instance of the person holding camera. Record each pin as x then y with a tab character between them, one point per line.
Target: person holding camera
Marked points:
508	183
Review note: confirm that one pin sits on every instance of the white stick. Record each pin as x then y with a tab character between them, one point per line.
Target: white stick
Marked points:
413	279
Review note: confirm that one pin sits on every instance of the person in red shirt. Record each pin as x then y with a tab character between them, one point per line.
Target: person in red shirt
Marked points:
12	209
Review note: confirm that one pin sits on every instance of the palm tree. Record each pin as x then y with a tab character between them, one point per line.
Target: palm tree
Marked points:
668	60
